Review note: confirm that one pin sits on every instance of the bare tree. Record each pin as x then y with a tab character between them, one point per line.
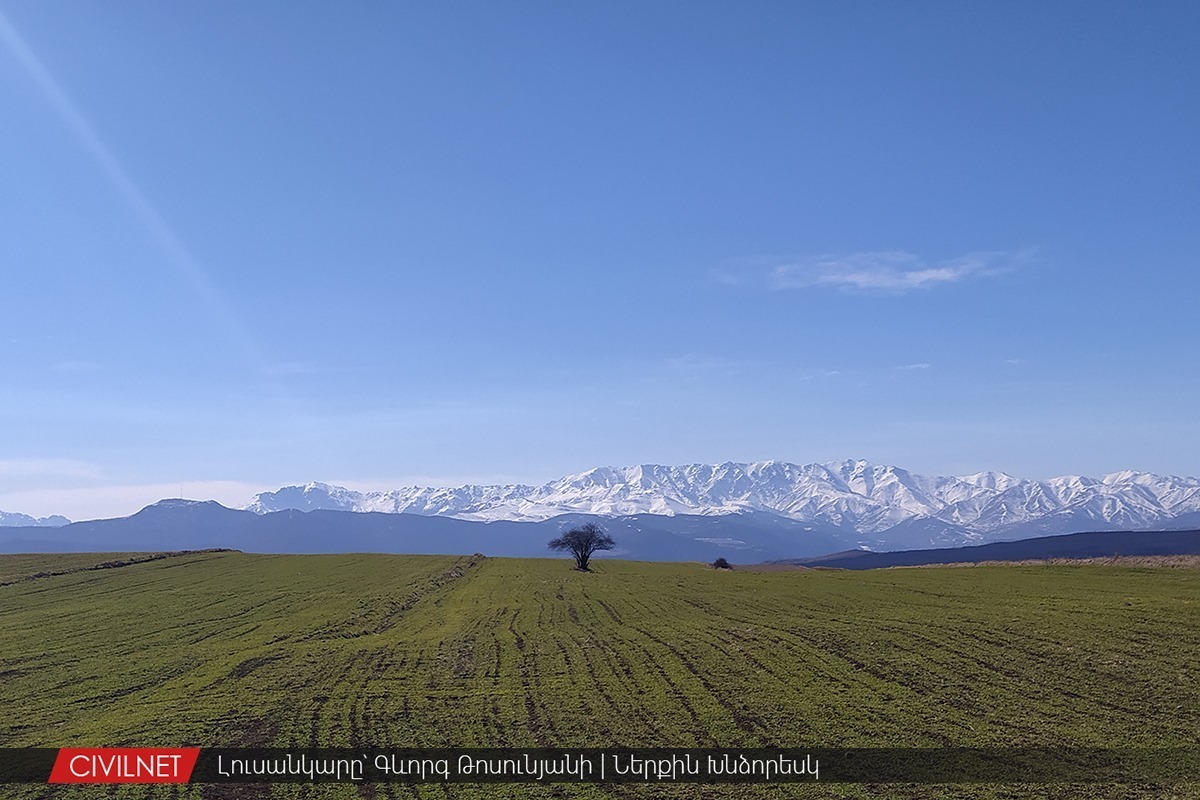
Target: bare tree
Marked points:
581	542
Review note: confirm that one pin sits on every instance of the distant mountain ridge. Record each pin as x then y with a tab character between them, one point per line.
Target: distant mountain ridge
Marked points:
743	538
177	524
9	519
877	502
1105	544
761	510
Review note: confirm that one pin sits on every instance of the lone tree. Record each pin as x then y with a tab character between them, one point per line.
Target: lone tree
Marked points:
581	542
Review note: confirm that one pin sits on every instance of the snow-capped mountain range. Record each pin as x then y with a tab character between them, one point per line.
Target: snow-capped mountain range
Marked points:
10	519
853	496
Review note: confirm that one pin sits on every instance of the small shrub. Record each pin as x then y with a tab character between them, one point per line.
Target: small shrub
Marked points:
721	563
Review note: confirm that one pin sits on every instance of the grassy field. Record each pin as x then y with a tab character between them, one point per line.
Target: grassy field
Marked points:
228	649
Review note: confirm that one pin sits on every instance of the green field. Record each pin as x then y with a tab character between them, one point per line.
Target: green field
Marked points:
229	649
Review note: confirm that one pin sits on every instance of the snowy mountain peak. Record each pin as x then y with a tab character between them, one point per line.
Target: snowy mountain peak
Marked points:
994	481
9	519
855	495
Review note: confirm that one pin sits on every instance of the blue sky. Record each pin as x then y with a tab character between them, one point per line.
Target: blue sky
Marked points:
250	244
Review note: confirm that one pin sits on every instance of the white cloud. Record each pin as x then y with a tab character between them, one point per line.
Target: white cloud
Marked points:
692	366
919	365
883	271
821	373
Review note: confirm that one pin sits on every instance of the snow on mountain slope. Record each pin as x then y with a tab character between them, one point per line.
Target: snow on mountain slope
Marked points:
853	495
9	519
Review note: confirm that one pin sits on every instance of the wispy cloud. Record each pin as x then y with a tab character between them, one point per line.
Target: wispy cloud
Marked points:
14	468
919	365
692	366
821	373
893	271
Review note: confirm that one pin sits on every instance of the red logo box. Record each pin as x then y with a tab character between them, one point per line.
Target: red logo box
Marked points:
124	764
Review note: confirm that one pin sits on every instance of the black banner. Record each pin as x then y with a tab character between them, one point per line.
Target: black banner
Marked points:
26	764
678	765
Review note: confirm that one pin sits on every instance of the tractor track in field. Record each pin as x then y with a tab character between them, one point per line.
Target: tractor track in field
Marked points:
586	654
839	648
540	726
1008	646
592	660
384	613
748	724
251	664
103	565
685	701
613	615
374	663
820	660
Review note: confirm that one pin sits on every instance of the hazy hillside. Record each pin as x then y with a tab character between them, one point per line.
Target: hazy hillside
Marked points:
194	525
1073	545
